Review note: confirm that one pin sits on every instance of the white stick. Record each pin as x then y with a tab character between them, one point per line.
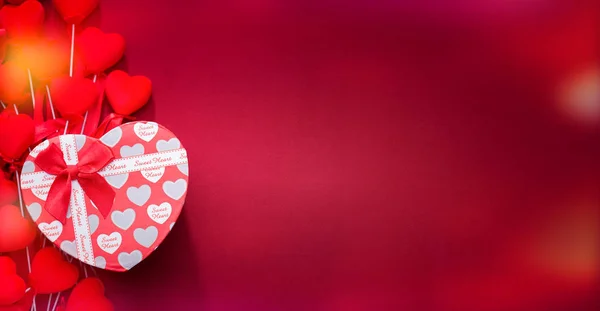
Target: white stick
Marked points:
49	302
23	215
66	127
72	49
56	302
16	109
50	101
84	122
3	105
31	88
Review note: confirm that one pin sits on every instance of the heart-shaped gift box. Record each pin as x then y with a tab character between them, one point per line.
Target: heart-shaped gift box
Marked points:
148	177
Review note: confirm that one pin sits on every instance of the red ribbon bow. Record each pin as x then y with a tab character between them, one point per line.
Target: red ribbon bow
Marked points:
92	158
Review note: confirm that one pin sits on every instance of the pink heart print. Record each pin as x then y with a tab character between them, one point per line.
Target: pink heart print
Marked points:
150	178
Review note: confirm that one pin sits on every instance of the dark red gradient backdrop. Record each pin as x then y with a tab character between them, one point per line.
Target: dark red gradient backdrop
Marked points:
372	155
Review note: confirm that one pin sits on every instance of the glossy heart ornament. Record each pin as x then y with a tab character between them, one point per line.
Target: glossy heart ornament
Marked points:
149	177
12	286
23	21
99	51
72	97
51	273
89	295
16	232
75	11
126	94
16	134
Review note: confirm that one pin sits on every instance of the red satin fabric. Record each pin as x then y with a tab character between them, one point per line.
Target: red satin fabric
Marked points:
110	122
92	158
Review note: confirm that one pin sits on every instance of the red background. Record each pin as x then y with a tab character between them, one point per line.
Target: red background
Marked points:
371	155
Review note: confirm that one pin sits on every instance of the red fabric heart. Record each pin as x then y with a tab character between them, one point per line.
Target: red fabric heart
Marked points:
23	21
8	192
14	84
75	11
98	50
127	94
50	273
22	305
46	59
89	295
72	97
16	134
16	232
13	287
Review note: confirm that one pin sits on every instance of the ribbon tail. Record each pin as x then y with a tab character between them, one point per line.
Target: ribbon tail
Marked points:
110	122
47	129
59	198
98	191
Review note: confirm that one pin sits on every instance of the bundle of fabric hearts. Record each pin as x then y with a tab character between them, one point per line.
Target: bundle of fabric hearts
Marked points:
79	182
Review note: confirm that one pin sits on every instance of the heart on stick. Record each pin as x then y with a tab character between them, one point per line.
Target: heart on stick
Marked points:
89	295
22	305
16	134
8	192
16	232
144	207
75	11
13	287
14	84
23	21
51	273
99	51
126	94
73	96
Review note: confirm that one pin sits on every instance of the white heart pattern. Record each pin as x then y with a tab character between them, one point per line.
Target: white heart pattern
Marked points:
124	219
160	213
113	137
184	169
51	230
154	175
79	141
35	210
41	193
129	260
101	262
28	167
117	181
69	247
110	243
146	237
139	196
131	151
145	131
175	190
94	222
172	144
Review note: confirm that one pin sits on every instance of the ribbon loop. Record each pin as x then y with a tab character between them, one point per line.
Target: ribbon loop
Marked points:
93	157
